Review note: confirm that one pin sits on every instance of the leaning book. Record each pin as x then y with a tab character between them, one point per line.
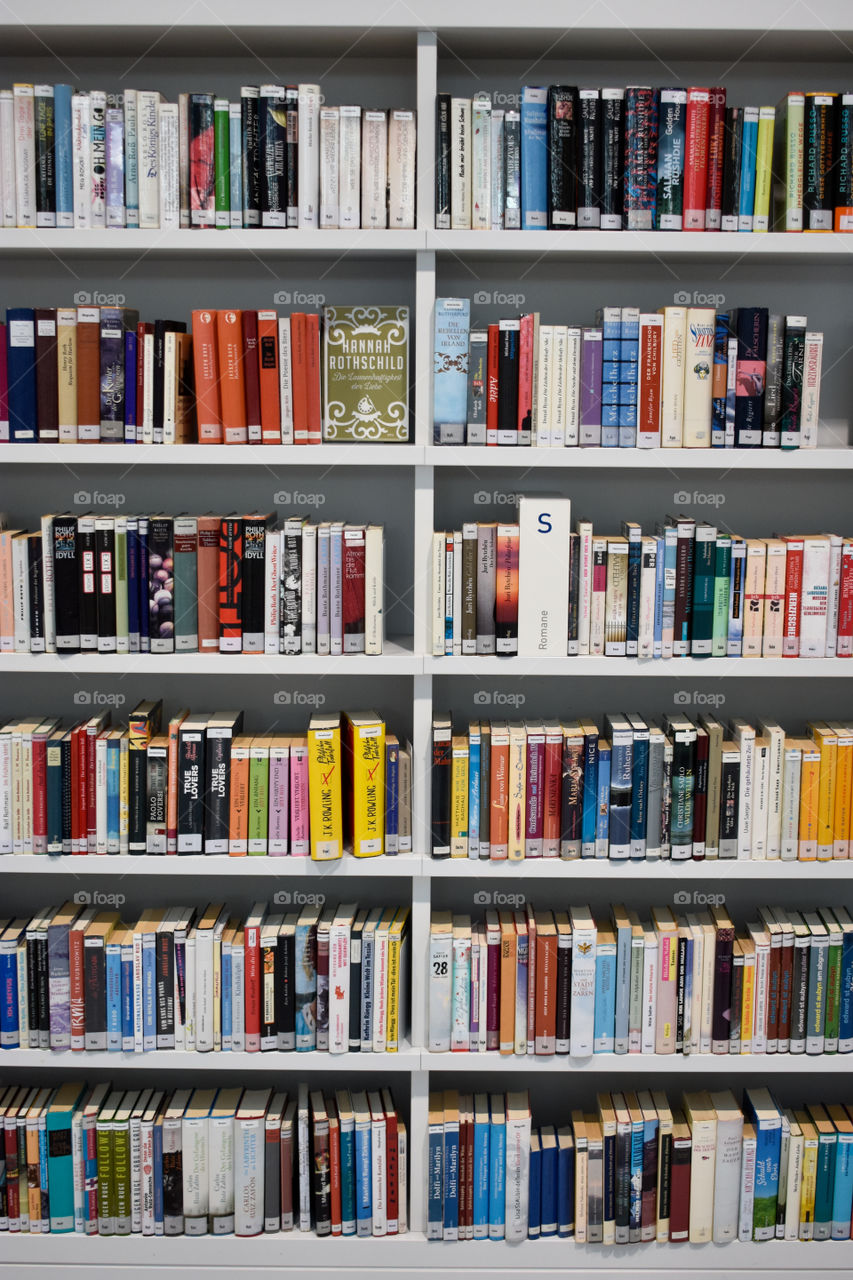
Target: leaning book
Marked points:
366	373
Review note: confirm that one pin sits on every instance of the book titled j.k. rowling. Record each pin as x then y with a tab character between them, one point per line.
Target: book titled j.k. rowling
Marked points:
366	374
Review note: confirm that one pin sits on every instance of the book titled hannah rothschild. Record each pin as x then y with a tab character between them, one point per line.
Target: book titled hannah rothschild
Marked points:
366	374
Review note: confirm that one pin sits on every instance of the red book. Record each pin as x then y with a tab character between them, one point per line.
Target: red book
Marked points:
649	388
299	376
93	729
252	992
312	365
230	584
206	367
79	793
492	384
335	1166
391	1161
89	375
679	1195
551	789
525	378
716	151
506	592
545	1024
845	603
793	585
39	774
353	589
13	1182
251	376
207	585
269	378
696	158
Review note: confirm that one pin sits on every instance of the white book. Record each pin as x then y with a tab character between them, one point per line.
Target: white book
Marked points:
810	403
308	155
584	532
761	939
330	127
195	1171
25	155
650	987
583	982
8	199
272	576
573	386
460	164
794	1180
21	600
285	380
761	769
402	146
833	595
775	777
460	1018
744	735
131	156
498	195
221	1167
440	982
349	167
456	594
380	983
544	383
98	146
309	588
149	159
378	1166
517	1166
249	1134
81	156
481	148
374	589
672	376
339	978
727	1166
813	597
169	161
543	575
698	362
374	169
747	1184
559	386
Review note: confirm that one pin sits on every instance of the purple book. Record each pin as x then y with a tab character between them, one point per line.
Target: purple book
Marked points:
130	424
277	842
115	167
641	156
591	365
535	801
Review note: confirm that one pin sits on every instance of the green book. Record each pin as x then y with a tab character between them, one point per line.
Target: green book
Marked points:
121	1163
222	163
832	1018
185	591
366	374
722	588
104	1147
704	570
259	793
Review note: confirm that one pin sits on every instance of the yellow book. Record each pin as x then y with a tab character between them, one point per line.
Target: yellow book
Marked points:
324	787
459	797
66	369
809	1182
828	743
843	791
397	985
747	1007
763	168
517	790
365	752
809	787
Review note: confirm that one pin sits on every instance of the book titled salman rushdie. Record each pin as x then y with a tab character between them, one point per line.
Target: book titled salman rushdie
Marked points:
366	366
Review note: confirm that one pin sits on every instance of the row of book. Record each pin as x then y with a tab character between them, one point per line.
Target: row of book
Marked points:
685	788
97	373
187	584
334	979
680	377
199	784
640	1168
689	590
195	1162
278	157
644	159
540	982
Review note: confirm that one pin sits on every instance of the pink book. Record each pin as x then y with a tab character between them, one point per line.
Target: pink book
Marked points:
300	844
7	594
277	835
525	379
493	967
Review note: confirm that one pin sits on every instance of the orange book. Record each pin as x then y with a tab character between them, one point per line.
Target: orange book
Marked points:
207	574
312	367
809	797
545	1030
172	781
238	829
299	376
232	384
509	956
499	793
88	374
206	362
268	365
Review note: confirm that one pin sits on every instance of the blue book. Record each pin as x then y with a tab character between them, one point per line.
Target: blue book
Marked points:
610	321
605	994
60	1162
53	788
128	996
363	1167
451	1166
435	1171
392	795
46	1188
158	1176
132	434
565	1183
534	158
749	151
635	1201
763	1112
660	560
639	786
534	1202
842	1190
825	1183
621	765
474	796
305	985
149	1002
450	376
602	819
235	157
113	793
113	984
347	1174
227	1023
481	1166
62	144
497	1167
590	791
734	641
548	1213
629	363
9	1022
21	373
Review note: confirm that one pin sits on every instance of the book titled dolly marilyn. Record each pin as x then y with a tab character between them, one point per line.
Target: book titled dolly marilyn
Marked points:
366	374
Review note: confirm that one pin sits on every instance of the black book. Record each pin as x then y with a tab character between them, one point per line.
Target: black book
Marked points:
164	983
751	373
442	162
249	111
356	934
87	582
285	979
269	982
161	328
722	1009
191	784
44	121
650	1164
609	1176
508	358
732	152
143	724
291	587
254	566
105	546
161	589
622	1214
65	747
589	160
612	134
222	728
440	797
562	156
43	985
665	1175
273	140
32	986
681	979
95	992
66	584
736	999
291	97
173	1185
574	590
35	585
564	997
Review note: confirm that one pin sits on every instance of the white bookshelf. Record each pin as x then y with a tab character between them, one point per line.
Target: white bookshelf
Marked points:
373	50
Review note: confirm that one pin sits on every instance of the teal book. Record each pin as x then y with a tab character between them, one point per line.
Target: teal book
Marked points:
760	1108
704	583
450	370
113	793
185	572
482	1126
825	1179
842	1192
497	1167
347	1132
722	589
60	1164
605	992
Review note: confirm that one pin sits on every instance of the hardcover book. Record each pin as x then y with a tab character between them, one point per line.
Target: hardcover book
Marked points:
366	374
